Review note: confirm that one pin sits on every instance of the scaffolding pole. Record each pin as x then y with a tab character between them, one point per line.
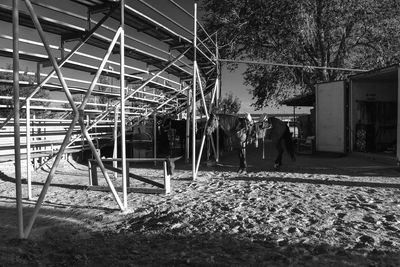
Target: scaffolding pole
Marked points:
187	139
122	84
79	112
155	137
194	94
115	136
17	134
218	94
28	148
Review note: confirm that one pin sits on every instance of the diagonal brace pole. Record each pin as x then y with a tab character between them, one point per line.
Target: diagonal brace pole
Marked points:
70	129
84	130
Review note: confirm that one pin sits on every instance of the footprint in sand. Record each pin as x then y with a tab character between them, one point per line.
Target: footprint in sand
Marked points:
369	218
390	218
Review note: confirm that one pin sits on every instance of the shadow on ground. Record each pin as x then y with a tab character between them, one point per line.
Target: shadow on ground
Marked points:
69	242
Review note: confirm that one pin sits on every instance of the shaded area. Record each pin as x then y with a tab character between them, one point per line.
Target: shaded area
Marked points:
157	242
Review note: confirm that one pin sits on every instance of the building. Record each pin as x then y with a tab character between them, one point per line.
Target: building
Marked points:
360	113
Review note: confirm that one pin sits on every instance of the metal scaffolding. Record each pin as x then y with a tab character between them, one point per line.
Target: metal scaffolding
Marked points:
164	79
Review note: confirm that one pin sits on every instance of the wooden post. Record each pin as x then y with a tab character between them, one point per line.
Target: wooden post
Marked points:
167	179
93	178
62	48
90	172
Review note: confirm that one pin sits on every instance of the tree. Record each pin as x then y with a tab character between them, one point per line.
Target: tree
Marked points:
227	105
360	34
7	90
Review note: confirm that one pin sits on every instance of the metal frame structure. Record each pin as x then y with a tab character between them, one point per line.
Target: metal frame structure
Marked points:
188	58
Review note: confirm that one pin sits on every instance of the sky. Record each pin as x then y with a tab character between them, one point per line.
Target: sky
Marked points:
232	82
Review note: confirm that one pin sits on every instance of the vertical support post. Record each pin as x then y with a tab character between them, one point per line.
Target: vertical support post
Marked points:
115	137
35	160
122	84
167	179
128	184
28	148
218	93
187	147
294	122
398	116
93	167
263	141
17	134
155	137
82	137
208	141
194	94
89	20
38	69
93	170
62	48
90	173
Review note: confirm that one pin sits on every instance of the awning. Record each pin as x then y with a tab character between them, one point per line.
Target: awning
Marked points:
307	100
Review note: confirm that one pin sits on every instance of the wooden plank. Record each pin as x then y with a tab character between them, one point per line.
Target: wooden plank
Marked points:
134	176
141	159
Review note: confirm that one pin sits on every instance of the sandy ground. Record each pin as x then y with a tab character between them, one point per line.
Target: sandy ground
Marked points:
322	210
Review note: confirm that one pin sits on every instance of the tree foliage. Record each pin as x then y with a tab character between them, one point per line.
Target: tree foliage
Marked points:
227	105
361	34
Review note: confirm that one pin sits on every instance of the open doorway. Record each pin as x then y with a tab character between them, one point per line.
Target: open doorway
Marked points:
376	127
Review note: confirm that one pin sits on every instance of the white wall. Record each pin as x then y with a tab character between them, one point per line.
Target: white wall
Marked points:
330	120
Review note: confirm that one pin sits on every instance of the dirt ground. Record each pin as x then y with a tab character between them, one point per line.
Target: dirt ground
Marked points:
322	210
